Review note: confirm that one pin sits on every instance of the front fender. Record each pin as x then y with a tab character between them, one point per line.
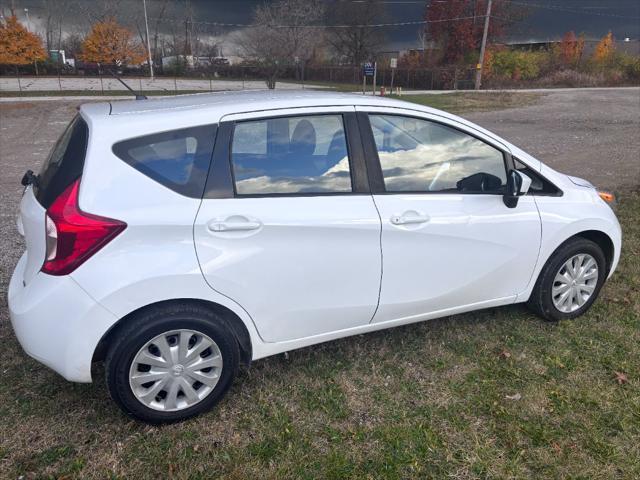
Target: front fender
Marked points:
570	215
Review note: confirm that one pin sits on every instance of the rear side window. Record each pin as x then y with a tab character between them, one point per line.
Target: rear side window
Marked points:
178	159
64	164
291	155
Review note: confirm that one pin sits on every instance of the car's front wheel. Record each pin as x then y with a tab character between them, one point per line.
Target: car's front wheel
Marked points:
570	281
171	363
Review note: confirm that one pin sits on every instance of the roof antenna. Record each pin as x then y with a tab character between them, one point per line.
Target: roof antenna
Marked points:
138	96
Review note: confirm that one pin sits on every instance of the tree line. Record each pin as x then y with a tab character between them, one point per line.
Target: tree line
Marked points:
295	33
283	32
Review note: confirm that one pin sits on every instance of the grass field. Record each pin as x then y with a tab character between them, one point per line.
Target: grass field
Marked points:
464	102
492	394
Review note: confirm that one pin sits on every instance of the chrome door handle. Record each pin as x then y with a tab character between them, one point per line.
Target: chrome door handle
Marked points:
409	219
233	226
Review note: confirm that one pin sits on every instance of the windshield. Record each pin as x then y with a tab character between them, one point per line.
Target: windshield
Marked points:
64	164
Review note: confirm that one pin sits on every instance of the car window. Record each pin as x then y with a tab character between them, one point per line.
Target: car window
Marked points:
539	184
288	155
177	159
65	162
252	138
422	156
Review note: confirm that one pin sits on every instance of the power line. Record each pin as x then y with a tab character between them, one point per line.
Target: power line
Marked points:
562	8
394	24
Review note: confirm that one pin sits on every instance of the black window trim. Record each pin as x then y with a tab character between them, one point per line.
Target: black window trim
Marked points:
558	191
374	166
221	182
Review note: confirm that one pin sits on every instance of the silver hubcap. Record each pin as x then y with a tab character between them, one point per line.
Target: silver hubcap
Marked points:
175	370
574	283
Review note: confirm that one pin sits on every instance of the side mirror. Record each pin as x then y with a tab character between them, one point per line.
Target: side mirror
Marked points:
517	185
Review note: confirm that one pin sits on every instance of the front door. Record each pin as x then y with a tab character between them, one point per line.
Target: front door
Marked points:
449	242
296	243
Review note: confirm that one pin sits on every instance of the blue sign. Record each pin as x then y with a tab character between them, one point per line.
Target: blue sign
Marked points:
368	69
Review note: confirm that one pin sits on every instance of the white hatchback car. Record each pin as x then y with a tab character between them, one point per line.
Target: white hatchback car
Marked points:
177	238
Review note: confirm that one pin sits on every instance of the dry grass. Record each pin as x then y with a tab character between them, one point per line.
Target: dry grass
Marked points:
465	102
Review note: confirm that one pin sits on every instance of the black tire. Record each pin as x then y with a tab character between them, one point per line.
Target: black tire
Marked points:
152	322
541	301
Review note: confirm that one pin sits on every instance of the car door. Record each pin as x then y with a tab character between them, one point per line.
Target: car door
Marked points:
449	242
288	228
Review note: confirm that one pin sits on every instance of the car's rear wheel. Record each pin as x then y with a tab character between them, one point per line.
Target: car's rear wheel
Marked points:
570	281
171	363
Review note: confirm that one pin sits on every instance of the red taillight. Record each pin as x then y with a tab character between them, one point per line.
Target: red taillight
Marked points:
73	235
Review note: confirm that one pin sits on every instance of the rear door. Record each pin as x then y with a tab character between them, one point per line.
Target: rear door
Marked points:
288	228
449	242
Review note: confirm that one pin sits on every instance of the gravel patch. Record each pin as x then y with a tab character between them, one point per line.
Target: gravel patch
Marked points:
589	134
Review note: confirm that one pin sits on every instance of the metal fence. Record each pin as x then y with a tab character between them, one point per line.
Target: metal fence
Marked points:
450	78
91	78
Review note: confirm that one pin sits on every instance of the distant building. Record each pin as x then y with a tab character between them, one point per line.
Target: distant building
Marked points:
172	61
57	56
212	61
190	61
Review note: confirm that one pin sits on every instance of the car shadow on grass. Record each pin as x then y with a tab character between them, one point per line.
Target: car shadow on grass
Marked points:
321	360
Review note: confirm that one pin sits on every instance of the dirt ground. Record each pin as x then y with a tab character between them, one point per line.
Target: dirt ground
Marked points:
589	134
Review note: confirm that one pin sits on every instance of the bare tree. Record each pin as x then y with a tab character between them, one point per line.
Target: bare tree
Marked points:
177	33
54	14
156	30
357	42
72	45
285	32
210	51
100	10
156	14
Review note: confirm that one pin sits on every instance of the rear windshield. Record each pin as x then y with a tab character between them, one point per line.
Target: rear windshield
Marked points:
64	164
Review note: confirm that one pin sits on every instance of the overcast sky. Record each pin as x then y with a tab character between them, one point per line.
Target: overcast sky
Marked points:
547	18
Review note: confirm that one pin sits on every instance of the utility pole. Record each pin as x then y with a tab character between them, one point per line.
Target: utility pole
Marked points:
146	26
482	47
26	12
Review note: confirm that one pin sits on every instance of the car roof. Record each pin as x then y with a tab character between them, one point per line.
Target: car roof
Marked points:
128	118
225	103
246	100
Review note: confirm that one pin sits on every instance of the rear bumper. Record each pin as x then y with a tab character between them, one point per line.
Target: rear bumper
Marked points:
57	322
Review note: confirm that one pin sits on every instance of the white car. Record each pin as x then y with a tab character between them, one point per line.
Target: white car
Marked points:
177	238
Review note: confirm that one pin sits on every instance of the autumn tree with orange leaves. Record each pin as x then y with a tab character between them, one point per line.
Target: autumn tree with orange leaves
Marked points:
18	46
571	48
605	49
109	43
456	26
411	60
